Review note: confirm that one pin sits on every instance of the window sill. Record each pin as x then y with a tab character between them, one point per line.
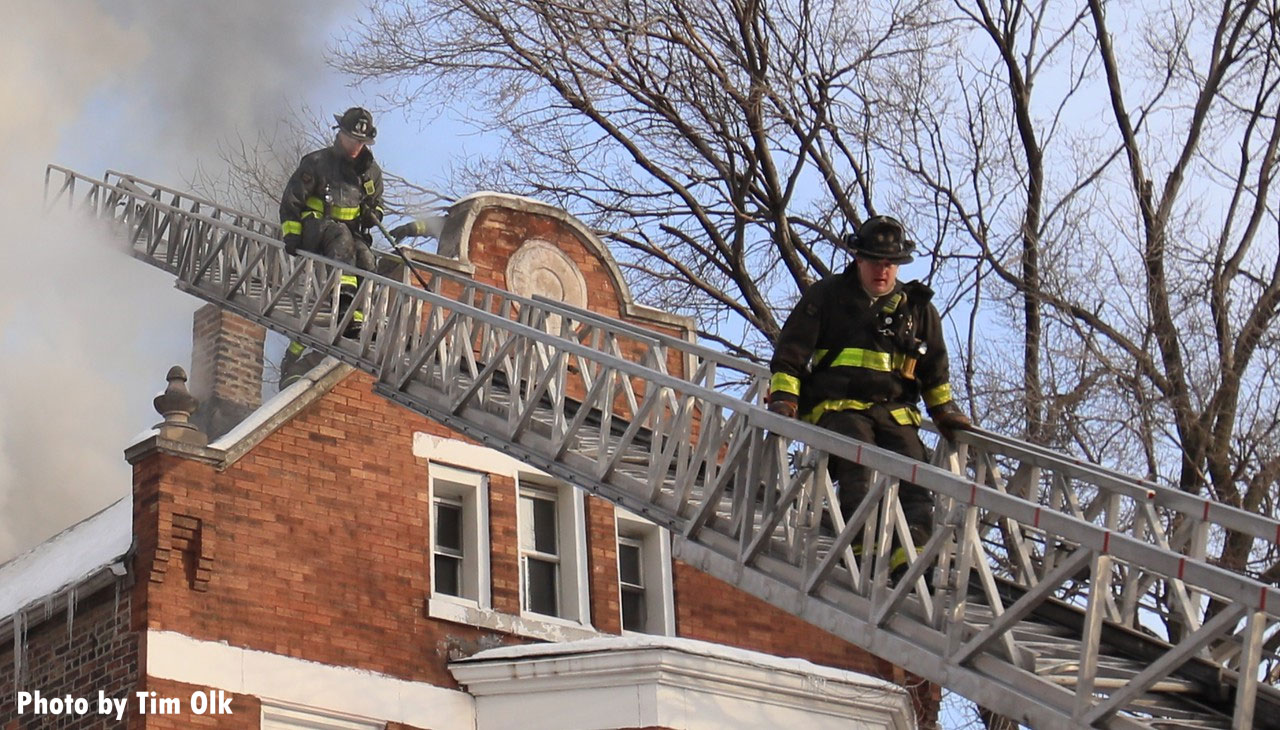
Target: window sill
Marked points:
533	626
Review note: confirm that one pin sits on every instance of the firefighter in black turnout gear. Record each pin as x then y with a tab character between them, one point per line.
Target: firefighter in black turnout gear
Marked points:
328	207
857	354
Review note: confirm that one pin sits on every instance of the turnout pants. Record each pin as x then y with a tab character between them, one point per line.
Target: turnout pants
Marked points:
337	241
876	426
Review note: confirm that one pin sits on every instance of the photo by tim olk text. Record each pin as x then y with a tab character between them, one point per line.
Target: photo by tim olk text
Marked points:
200	702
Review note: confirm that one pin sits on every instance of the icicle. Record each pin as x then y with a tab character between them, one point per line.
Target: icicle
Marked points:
19	645
115	610
71	611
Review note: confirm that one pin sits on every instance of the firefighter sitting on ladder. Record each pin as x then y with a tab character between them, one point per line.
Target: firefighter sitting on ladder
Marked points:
867	348
328	207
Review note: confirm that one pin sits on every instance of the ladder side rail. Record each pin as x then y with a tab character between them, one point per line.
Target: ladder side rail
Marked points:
1133	584
618	326
1143	520
236	215
798	430
1200	508
194	204
788	427
1226	516
692	353
702	353
1216	581
143	200
653	343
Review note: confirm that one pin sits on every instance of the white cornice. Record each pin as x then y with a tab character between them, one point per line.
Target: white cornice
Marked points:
643	681
278	678
470	456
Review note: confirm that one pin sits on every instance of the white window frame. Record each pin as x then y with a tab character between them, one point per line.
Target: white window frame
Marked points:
571	534
285	716
655	562
530	553
639	588
470	489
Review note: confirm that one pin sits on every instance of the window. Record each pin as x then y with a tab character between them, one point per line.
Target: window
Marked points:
549	543
551	524
644	576
631	583
539	552
459	535
447	567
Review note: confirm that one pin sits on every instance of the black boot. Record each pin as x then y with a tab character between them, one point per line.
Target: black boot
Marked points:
347	296
298	361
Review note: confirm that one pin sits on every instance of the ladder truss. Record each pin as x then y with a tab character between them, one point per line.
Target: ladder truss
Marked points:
1053	591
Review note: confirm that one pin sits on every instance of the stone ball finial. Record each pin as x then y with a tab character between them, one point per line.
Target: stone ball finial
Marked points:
177	405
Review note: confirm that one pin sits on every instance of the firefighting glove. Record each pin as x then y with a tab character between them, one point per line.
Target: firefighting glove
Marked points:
371	218
950	422
786	408
291	243
404	231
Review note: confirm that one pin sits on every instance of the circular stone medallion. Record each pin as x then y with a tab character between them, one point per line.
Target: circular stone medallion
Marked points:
539	268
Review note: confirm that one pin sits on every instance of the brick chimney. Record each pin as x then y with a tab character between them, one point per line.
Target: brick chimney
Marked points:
226	368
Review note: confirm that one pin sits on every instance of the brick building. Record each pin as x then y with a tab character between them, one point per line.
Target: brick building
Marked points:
329	560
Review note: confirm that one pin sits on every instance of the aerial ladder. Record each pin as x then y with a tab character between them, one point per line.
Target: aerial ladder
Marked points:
1056	592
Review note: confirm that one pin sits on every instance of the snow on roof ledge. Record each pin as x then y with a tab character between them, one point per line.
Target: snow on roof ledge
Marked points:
282	406
688	646
67	558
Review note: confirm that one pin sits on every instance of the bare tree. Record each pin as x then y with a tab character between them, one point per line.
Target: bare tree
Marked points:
720	147
1109	194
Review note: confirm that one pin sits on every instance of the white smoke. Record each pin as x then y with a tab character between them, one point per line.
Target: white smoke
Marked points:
150	87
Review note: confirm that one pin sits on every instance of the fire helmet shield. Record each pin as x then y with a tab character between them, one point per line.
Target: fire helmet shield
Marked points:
882	237
358	123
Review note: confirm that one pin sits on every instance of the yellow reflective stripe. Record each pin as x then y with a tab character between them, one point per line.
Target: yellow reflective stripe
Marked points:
856	357
291	227
898	557
336	212
906	416
357	316
938	395
309	214
347	280
296	348
783	383
836	404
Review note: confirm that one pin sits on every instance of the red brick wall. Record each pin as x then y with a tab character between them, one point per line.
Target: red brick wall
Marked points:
498	233
100	654
246	711
504	551
315	542
602	566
